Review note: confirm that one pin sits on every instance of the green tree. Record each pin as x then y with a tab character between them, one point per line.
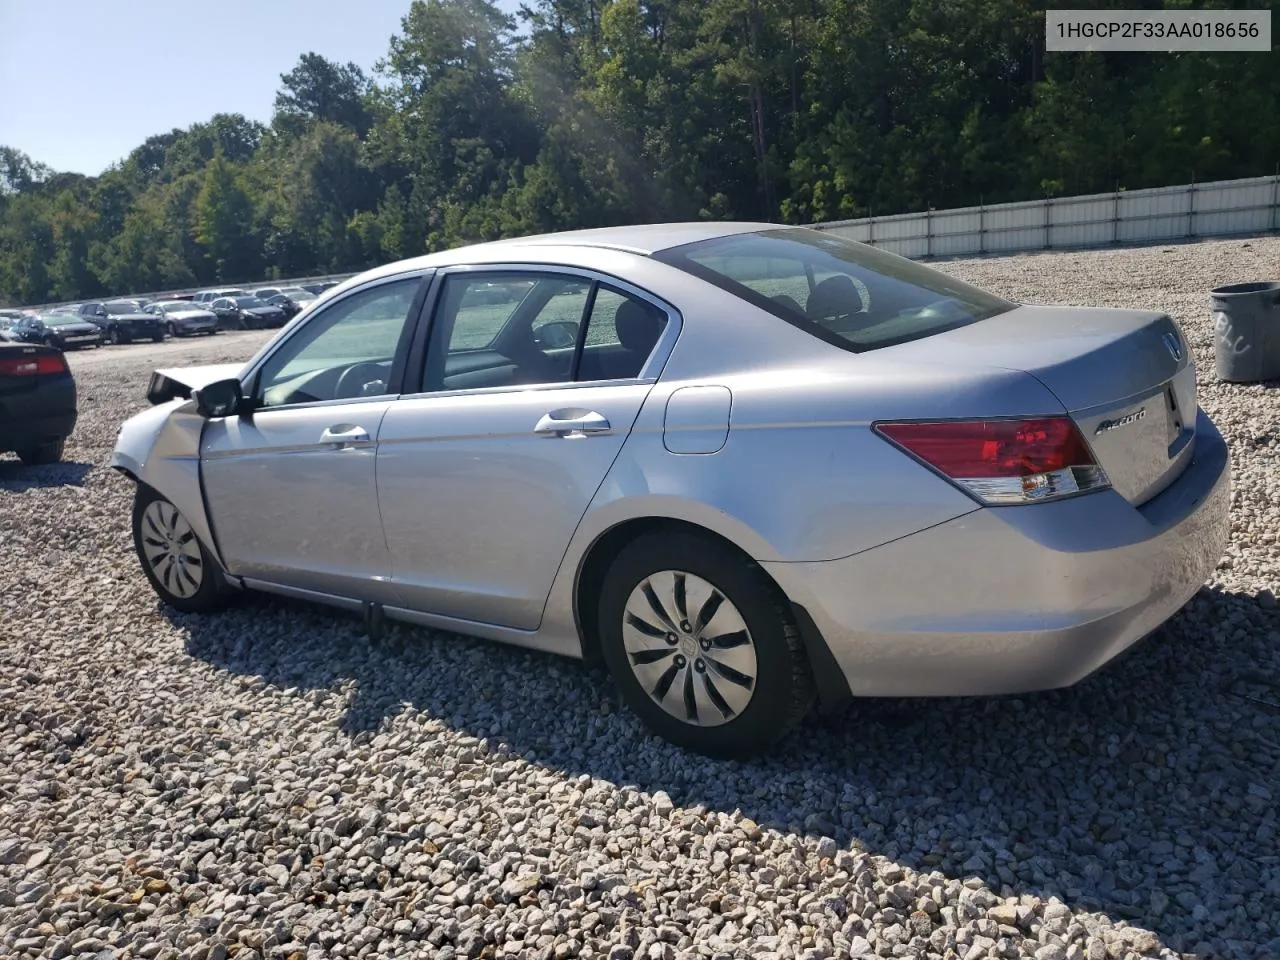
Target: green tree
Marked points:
223	225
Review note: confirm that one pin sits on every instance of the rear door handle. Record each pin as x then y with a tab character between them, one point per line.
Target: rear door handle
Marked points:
560	423
344	435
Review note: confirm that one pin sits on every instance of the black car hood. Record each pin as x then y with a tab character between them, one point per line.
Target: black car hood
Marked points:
129	316
83	326
261	309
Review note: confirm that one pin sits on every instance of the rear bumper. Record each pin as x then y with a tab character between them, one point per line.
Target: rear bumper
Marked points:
31	418
1018	599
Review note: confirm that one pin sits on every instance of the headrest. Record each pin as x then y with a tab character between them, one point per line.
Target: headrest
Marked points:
836	296
639	325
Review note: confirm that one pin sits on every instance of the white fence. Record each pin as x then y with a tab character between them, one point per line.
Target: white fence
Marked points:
1217	209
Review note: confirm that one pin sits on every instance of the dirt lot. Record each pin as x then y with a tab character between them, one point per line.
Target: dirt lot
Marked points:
267	783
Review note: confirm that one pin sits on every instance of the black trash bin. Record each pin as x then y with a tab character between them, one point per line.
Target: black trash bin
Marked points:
1246	331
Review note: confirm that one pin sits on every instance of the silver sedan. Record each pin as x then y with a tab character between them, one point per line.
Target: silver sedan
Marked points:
182	318
749	468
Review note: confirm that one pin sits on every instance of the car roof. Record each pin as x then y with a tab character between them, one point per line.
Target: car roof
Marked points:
644	239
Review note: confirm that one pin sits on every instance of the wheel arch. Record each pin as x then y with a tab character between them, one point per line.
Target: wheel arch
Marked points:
832	687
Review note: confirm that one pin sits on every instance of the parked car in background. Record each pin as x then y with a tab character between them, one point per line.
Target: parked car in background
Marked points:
319	288
246	313
264	293
745	466
62	330
182	318
123	321
206	297
299	294
37	402
290	306
8	320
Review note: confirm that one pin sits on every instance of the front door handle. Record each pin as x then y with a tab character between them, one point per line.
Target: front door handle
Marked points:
561	423
344	435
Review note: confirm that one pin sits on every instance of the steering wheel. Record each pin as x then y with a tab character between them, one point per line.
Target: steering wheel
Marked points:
353	380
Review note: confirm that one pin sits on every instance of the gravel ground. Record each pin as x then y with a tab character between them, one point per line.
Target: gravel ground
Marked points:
267	783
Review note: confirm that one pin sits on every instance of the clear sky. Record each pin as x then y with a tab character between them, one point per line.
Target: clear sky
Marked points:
83	82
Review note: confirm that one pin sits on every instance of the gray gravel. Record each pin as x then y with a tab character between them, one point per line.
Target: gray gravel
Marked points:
266	783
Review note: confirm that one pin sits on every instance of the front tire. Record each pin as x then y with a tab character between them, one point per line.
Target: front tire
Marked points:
702	645
176	563
48	452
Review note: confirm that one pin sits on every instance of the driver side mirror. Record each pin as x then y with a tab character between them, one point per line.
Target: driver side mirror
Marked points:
556	335
222	398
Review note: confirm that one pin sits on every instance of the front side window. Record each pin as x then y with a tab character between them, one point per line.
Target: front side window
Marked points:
512	329
849	294
344	352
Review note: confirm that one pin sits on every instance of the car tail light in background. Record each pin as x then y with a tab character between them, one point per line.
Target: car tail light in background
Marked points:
32	365
1004	461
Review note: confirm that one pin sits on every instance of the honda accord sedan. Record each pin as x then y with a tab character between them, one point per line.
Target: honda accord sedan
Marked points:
749	468
182	318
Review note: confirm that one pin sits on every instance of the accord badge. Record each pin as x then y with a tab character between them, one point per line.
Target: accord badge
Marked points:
1119	422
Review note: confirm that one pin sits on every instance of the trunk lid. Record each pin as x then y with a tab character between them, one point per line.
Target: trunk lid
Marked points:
1125	376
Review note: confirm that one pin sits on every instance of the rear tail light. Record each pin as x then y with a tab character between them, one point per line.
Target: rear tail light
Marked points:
32	365
1004	461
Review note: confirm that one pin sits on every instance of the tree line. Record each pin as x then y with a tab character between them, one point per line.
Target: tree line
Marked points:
580	113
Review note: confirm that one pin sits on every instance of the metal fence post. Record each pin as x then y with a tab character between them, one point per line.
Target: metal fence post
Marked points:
1275	199
871	227
1191	208
982	226
928	232
1115	217
1048	228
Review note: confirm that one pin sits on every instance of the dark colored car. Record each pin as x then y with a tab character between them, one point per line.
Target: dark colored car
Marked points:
61	330
246	313
286	303
37	402
319	288
123	321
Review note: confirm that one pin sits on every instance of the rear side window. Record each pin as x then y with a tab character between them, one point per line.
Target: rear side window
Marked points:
846	293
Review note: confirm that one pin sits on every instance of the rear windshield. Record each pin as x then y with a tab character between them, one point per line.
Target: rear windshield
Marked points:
847	293
118	308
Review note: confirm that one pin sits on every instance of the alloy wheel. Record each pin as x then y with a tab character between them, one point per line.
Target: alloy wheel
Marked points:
689	648
170	547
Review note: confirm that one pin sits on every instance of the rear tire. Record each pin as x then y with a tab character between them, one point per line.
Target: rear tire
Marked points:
48	452
176	563
158	338
114	336
173	330
725	677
